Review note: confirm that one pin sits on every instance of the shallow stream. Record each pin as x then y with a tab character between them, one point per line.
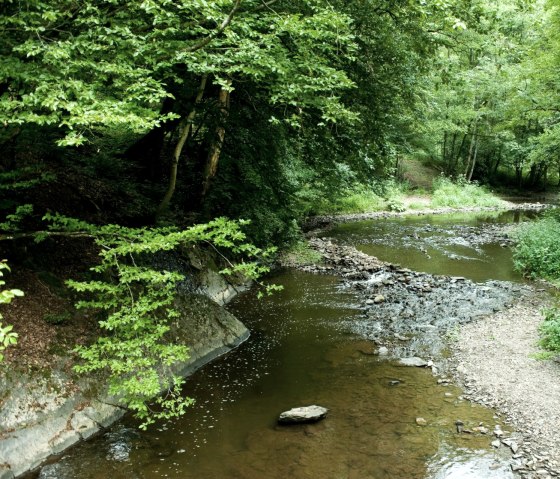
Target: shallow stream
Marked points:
303	350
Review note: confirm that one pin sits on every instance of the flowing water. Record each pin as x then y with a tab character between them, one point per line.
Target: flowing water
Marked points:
301	352
455	244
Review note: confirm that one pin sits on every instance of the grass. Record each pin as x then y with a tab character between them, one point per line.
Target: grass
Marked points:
301	253
359	202
387	195
448	193
390	196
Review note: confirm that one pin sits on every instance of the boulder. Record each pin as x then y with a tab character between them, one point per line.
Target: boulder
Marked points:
301	415
413	361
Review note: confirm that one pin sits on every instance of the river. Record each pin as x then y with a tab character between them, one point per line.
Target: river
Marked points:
385	421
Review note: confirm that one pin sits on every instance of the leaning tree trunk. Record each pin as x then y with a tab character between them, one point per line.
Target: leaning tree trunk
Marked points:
185	131
215	150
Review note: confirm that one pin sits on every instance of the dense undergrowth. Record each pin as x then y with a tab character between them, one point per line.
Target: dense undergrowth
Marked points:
460	193
537	255
389	195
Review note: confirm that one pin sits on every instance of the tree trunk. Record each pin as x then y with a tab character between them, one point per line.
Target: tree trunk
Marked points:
469	178
450	167
498	160
146	152
458	157
185	131
216	147
444	149
474	141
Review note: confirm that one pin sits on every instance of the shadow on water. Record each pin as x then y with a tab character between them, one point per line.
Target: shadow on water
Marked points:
301	352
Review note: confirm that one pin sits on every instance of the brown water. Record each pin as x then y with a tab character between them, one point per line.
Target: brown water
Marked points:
451	244
301	352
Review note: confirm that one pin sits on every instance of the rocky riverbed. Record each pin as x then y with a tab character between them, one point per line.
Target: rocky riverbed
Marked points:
491	328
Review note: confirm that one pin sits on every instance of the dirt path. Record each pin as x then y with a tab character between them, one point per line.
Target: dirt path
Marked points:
496	368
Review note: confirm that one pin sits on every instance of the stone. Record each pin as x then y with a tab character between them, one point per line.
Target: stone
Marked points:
379	299
63	441
383	351
421	421
84	425
496	443
413	361
511	444
481	429
6	473
369	302
396	382
300	415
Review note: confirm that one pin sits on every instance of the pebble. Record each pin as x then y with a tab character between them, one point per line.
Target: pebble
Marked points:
379	299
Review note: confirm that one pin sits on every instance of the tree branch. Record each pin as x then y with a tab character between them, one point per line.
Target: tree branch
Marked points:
213	35
46	234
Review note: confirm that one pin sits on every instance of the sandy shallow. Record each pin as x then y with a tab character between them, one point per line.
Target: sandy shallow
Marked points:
495	364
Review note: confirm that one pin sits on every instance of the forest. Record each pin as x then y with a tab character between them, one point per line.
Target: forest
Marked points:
131	128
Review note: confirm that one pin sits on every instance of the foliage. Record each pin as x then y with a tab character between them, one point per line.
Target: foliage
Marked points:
550	330
135	299
537	250
111	63
456	194
7	336
537	254
300	253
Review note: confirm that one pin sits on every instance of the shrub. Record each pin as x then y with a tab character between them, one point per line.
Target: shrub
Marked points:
550	330
537	252
7	336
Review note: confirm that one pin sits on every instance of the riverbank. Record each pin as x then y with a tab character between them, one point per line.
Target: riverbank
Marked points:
315	224
496	365
46	408
493	353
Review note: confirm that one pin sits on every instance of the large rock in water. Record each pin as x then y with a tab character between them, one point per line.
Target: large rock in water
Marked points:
299	415
413	361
